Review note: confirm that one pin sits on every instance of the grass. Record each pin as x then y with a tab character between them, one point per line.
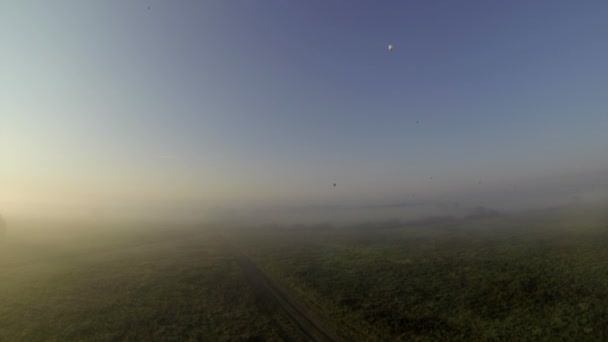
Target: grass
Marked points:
538	276
506	278
169	288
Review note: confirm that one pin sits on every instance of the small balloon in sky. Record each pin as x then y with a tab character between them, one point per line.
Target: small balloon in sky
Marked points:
390	47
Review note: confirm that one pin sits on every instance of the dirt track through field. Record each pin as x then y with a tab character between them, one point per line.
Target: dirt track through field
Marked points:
266	289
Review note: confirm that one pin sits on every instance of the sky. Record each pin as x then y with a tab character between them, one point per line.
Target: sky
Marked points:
198	107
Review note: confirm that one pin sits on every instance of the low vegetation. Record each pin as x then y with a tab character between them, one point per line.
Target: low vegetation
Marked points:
536	276
129	287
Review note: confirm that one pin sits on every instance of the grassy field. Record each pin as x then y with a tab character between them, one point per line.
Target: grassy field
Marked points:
135	286
536	276
539	276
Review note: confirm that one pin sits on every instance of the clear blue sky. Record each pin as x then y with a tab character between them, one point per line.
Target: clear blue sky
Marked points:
229	103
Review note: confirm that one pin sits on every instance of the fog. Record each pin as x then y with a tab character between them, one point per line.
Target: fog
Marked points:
282	170
530	194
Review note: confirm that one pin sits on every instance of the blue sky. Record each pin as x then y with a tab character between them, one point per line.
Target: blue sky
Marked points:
239	103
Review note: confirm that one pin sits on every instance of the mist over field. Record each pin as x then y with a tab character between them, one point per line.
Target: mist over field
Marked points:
487	274
312	171
551	191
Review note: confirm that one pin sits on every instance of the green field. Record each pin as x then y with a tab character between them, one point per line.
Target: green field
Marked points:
540	276
138	286
537	276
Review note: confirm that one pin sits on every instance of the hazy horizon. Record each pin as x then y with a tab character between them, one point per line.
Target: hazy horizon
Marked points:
231	109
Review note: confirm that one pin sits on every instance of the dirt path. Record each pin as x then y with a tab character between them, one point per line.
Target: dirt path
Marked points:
268	290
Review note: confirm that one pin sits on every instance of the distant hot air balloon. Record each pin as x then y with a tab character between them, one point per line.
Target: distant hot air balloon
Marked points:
334	184
390	47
